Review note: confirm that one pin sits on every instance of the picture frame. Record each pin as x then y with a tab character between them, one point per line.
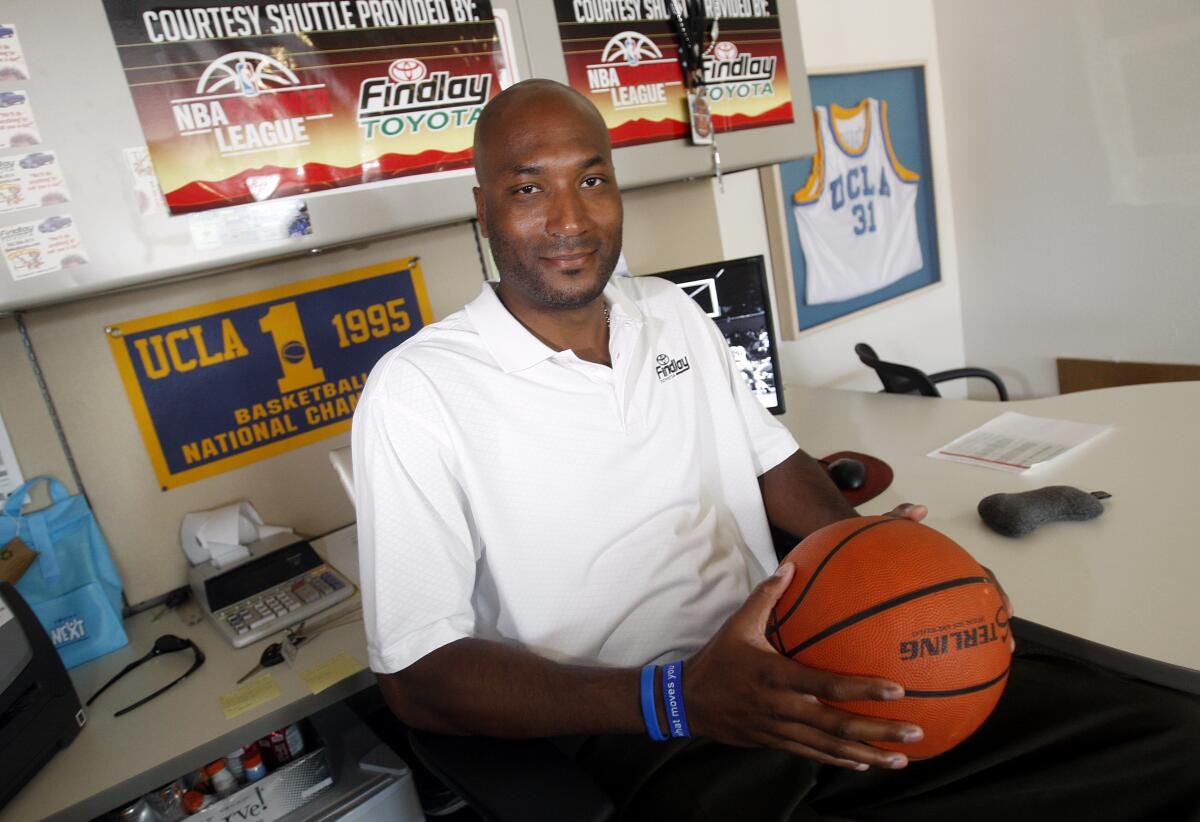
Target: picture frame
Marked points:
903	87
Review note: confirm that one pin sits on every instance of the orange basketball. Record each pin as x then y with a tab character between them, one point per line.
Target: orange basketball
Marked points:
887	597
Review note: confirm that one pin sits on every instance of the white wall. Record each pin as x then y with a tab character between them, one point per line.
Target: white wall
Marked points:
925	328
1074	143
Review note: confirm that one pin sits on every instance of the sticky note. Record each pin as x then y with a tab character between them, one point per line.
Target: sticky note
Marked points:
245	697
331	671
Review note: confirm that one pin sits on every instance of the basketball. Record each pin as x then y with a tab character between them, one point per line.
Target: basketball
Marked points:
891	598
294	351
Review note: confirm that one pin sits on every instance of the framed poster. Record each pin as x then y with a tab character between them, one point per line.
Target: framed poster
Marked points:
220	385
857	221
241	103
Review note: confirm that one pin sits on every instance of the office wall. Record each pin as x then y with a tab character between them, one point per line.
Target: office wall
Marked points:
924	328
1074	143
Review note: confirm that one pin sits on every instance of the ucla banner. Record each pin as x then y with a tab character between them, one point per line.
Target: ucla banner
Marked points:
221	385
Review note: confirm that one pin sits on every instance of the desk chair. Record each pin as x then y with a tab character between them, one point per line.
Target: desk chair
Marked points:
904	379
506	780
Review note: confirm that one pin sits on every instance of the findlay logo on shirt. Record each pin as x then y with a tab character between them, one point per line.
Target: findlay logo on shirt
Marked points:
668	368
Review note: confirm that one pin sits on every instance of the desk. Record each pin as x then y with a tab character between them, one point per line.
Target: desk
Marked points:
1127	579
115	760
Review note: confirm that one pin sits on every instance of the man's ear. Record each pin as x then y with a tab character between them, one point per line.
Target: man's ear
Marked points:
480	210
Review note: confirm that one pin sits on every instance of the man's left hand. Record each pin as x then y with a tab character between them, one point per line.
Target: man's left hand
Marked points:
908	510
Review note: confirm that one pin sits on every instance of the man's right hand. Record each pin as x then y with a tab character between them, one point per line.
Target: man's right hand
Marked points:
741	691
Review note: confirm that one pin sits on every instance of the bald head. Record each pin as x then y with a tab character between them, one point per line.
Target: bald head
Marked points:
547	198
513	109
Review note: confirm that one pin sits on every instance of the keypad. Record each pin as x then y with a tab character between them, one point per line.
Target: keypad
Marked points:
262	609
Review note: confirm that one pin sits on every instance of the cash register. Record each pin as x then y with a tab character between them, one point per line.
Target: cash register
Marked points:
39	709
281	583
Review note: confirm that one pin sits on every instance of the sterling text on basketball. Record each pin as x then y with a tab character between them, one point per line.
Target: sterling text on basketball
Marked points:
947	642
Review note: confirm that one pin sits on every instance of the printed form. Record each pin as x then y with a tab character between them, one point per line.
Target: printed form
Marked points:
1017	442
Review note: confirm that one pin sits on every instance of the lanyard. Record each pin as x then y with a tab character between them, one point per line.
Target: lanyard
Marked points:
687	18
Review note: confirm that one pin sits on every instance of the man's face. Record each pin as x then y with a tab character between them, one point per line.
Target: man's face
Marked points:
548	203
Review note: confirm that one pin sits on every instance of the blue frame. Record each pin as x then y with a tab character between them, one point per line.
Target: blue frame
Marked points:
904	91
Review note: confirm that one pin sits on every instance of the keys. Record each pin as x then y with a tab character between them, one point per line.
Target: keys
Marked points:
272	655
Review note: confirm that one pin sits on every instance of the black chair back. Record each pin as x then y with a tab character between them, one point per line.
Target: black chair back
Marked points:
897	378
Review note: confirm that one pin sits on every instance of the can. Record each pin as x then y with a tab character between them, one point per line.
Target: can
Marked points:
139	811
167	801
283	745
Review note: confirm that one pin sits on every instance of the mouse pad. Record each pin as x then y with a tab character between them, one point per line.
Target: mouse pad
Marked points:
879	476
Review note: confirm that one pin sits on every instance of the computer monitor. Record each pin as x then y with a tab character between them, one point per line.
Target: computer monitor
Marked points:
735	294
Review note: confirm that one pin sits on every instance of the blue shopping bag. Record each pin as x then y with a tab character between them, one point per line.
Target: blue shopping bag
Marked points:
73	587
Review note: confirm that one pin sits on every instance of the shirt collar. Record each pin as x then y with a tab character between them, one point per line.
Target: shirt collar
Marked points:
511	343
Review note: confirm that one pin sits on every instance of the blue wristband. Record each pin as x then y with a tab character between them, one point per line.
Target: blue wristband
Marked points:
649	712
672	686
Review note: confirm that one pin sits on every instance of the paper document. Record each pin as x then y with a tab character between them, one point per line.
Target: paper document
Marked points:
246	697
1016	442
331	672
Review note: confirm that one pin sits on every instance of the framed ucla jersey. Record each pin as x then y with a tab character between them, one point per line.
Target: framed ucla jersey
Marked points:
861	218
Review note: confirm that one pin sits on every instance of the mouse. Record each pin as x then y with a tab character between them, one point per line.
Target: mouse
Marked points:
847	474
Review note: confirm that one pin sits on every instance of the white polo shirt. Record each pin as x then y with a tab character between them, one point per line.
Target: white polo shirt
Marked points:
592	514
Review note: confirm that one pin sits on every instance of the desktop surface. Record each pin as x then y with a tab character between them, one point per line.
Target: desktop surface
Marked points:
1125	579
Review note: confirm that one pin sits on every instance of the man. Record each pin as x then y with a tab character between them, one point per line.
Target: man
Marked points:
541	514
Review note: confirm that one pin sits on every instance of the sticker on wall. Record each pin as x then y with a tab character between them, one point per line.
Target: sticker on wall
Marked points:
146	191
321	95
17	126
250	224
624	58
12	59
11	477
225	384
31	180
42	246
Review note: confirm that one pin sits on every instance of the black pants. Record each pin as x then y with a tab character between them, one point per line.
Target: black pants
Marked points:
1066	742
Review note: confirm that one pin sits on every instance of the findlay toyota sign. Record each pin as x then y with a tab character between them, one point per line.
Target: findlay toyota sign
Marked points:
622	55
325	94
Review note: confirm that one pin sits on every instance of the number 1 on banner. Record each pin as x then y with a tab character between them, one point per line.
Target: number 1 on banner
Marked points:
282	322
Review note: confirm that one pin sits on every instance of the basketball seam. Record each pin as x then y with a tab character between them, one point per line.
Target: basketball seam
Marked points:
970	689
884	606
821	567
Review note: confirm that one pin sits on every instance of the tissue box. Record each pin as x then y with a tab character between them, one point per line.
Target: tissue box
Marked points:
277	793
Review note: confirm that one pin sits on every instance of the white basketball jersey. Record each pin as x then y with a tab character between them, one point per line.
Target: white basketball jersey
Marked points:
857	213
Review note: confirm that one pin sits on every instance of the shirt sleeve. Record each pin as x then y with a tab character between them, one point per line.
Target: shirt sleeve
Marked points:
770	442
416	551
